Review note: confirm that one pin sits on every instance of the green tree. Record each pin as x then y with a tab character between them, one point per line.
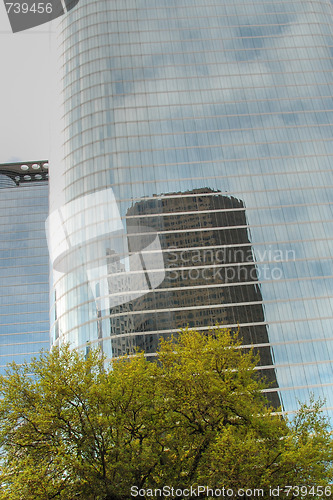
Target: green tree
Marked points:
70	429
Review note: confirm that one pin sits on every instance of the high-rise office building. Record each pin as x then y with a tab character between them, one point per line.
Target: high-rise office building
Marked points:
210	275
163	97
24	262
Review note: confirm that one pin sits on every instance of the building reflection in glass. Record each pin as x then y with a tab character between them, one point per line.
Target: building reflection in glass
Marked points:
211	277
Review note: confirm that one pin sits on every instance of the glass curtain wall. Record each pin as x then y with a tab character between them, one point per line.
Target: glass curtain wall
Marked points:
203	125
24	262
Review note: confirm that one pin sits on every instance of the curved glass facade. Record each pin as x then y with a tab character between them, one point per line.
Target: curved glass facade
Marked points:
24	262
210	123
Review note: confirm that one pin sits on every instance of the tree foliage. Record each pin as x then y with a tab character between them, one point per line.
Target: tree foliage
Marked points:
69	428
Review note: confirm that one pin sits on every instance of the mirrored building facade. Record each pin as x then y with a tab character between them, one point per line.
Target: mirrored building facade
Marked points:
164	101
24	262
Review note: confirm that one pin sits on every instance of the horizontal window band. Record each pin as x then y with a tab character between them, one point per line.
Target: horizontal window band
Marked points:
138	10
228	326
107	23
269	367
19	313
254	264
194	132
186	78
13	354
23	323
210	307
251	283
258	209
298	387
96	342
29	342
277	3
193	65
207	178
300	364
89	63
230	145
185	195
116	44
151	107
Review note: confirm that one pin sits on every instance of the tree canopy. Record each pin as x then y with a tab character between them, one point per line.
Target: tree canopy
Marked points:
70	428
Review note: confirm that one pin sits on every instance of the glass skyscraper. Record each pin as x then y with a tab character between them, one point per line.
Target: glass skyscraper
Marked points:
196	181
24	262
